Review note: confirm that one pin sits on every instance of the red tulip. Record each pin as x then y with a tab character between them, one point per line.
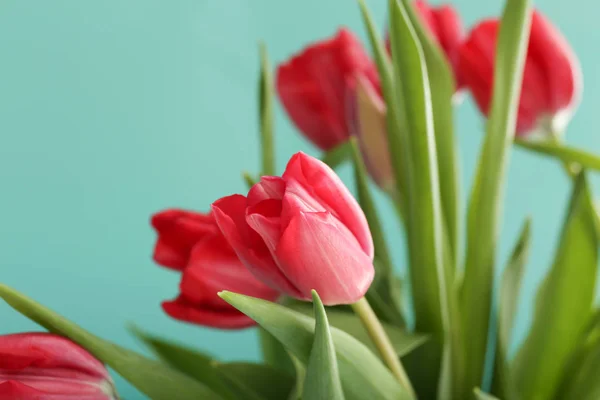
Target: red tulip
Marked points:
446	27
301	231
193	243
551	80
41	366
314	85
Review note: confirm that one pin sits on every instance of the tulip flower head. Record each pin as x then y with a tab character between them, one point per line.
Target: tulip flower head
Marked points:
552	80
301	231
36	366
192	243
313	87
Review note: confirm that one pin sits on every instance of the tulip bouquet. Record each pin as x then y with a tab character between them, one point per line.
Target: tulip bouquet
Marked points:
261	259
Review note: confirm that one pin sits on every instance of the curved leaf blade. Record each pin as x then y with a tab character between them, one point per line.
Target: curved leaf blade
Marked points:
322	381
363	375
265	102
485	202
564	302
151	377
564	153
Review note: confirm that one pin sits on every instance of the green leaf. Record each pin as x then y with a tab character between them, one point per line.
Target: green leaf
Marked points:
363	375
381	294
274	353
510	288
322	380
296	393
442	88
485	202
564	153
479	395
249	179
191	362
337	155
266	113
250	381
152	378
431	263
563	304
402	341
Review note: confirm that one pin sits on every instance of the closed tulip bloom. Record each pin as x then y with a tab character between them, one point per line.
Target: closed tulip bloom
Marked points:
314	85
41	366
368	120
551	85
301	231
209	266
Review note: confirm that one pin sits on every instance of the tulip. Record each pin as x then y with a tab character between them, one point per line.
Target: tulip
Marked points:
368	122
301	231
446	28
551	85
40	366
193	243
314	87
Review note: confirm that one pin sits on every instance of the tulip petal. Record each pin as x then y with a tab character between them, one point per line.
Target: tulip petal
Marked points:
214	267
269	187
305	174
185	311
230	214
178	232
318	252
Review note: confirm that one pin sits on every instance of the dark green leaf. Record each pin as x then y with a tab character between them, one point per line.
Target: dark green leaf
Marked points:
266	113
274	353
258	381
479	395
296	393
322	380
363	375
510	288
485	202
564	153
152	378
563	302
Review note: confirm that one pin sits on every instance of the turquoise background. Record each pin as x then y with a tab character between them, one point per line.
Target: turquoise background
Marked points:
111	110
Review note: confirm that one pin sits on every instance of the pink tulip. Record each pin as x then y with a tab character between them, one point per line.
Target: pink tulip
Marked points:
192	243
301	231
41	366
551	85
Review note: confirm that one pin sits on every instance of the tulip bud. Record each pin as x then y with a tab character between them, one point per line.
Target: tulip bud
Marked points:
313	87
301	231
43	366
552	81
368	120
193	243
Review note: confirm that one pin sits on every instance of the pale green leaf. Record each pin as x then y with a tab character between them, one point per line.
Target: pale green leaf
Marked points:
563	304
510	287
322	381
266	113
362	373
337	155
152	378
479	395
485	202
562	152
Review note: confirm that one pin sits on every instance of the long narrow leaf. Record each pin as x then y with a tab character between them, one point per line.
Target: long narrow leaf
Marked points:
322	376
564	153
266	113
337	155
510	287
151	377
485	203
362	373
431	264
563	304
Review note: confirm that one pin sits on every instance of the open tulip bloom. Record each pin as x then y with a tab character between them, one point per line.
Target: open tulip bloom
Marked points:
304	261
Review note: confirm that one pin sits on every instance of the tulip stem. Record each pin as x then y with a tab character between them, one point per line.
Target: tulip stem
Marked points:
363	309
